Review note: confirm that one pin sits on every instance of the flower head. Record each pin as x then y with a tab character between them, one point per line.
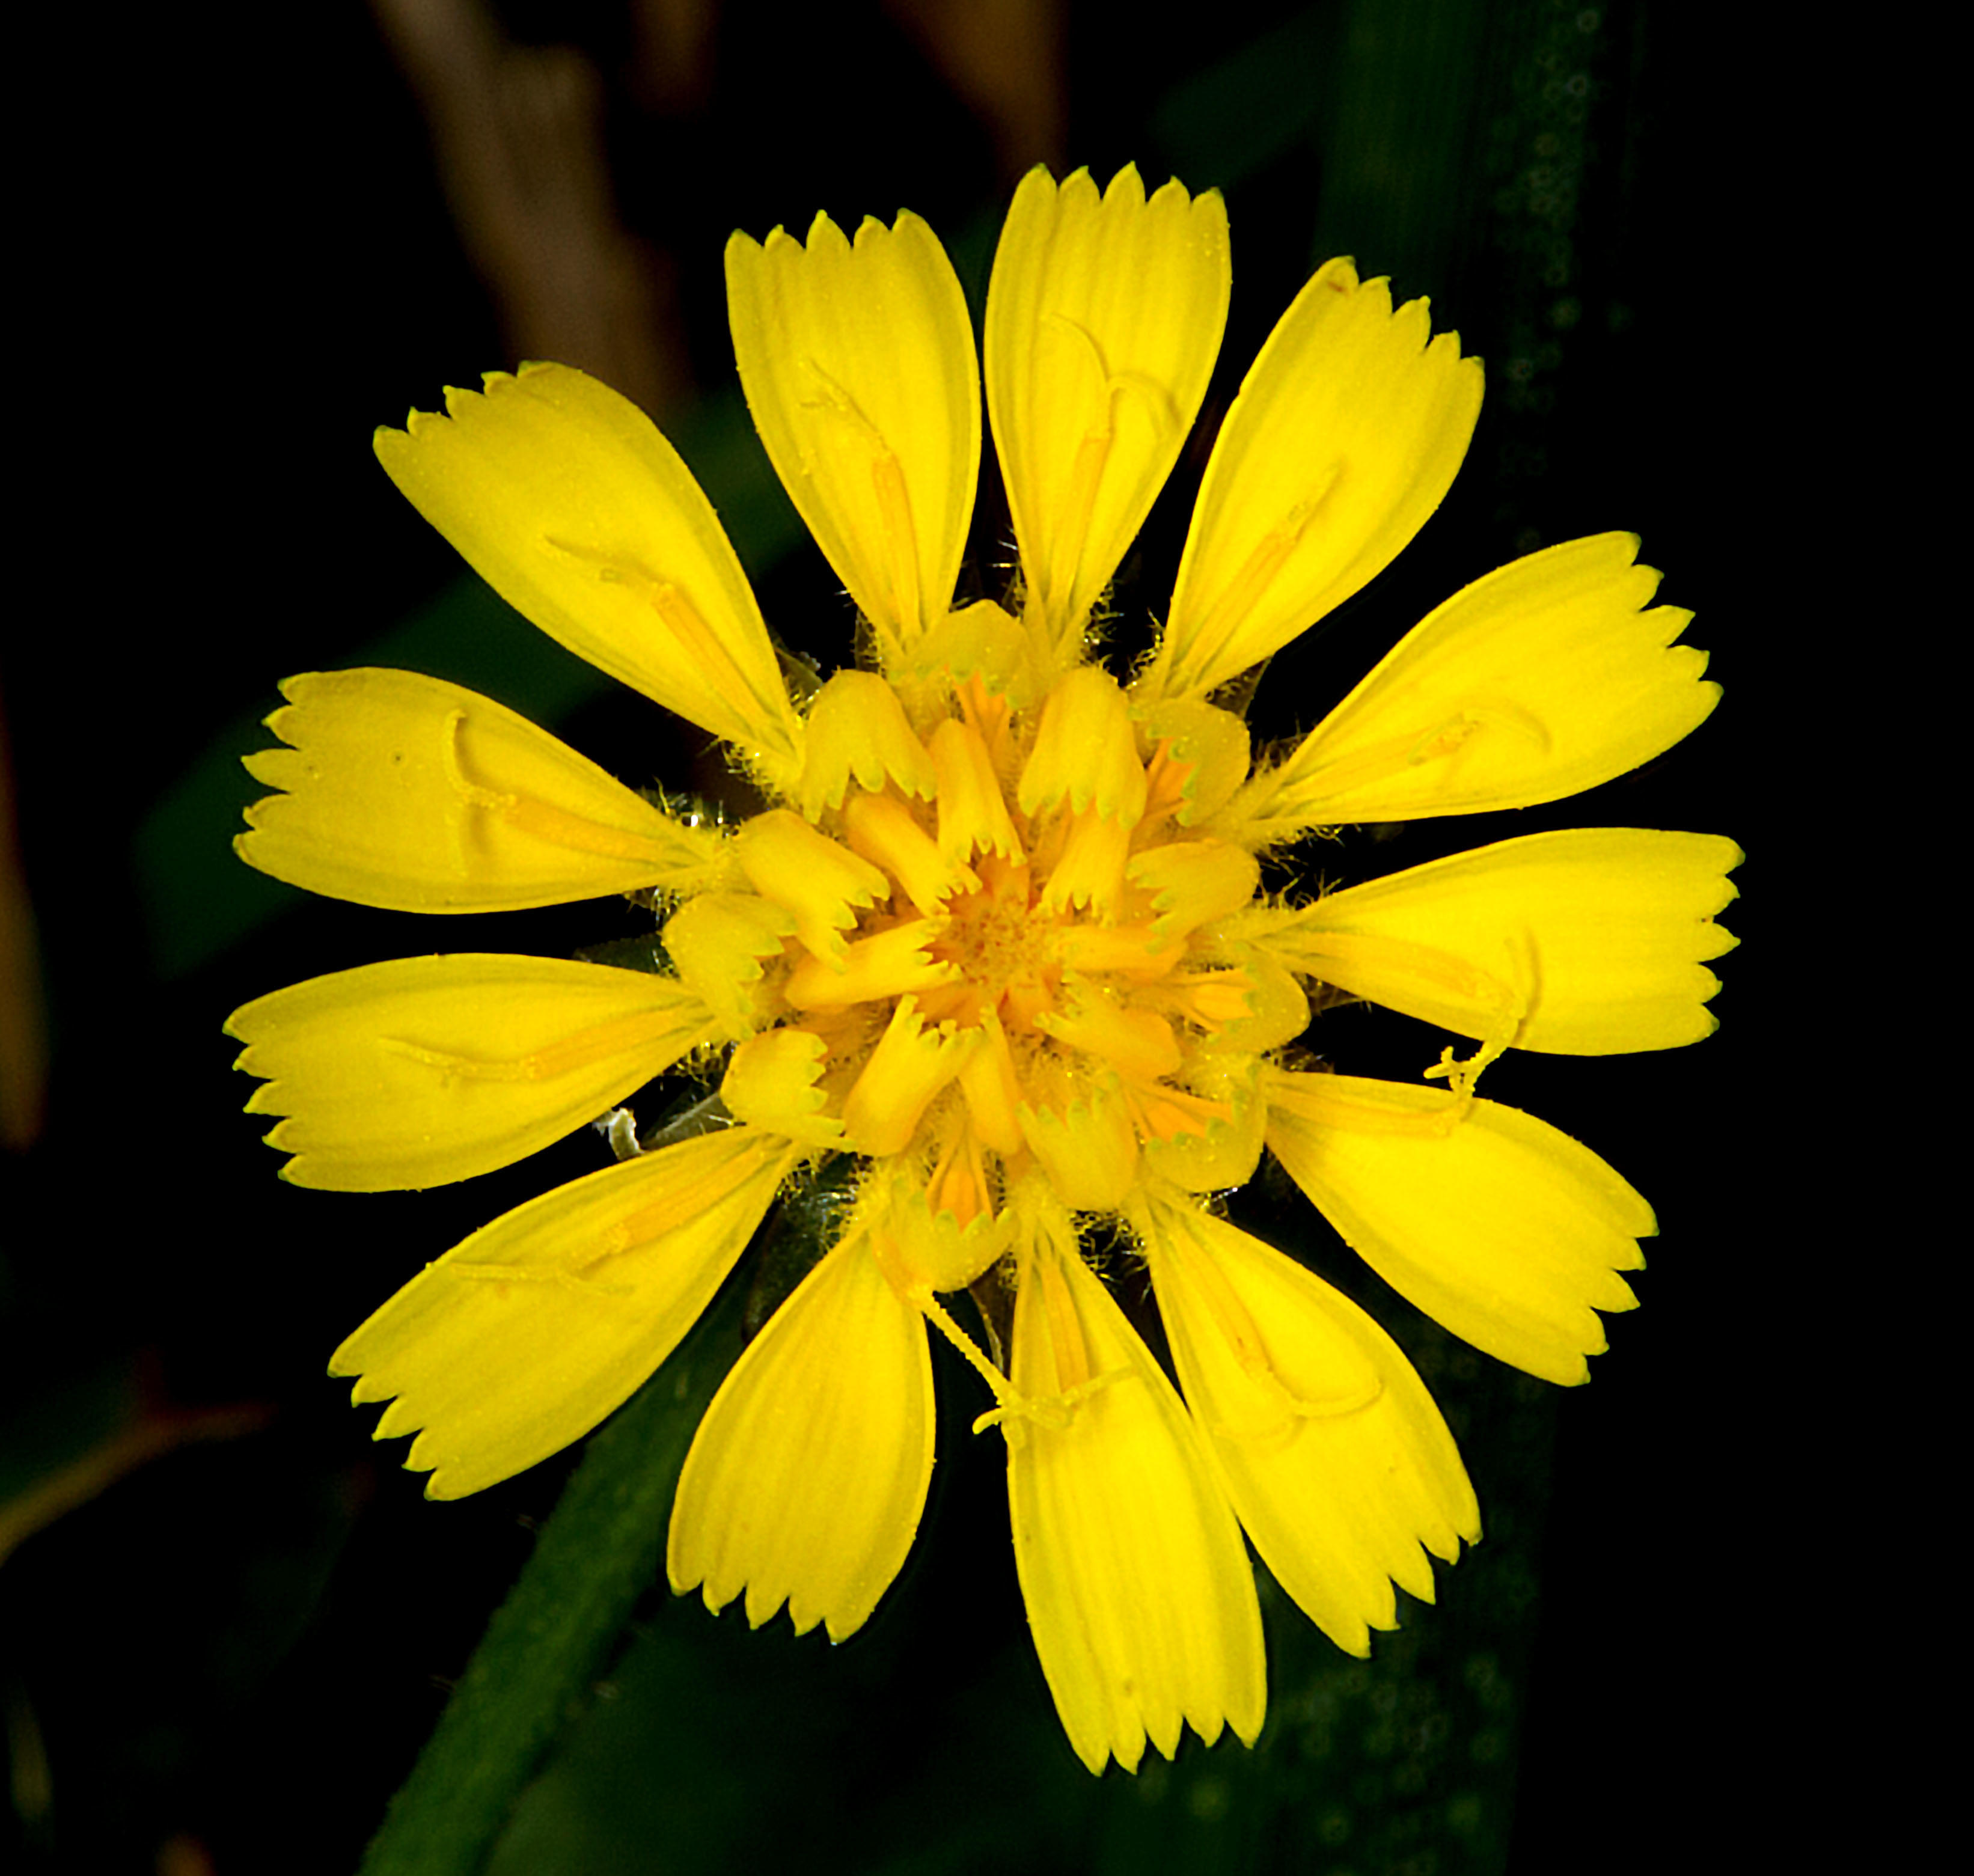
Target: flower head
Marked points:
999	935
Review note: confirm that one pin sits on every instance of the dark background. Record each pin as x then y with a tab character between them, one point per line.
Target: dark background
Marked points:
228	1621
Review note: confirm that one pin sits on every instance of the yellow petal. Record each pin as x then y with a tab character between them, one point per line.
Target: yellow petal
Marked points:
1200	757
416	796
771	1082
930	1250
570	505
1226	1154
1103	319
884	831
426	1070
1326	1439
1589	941
993	1090
973	816
856	726
1085	752
819	881
719	944
1084	855
909	1065
1139	1590
1088	1147
1139	1043
522	1338
808	1476
1127	950
858	366
1348	431
1254	1005
889	963
1496	1224
982	641
1192	882
1551	675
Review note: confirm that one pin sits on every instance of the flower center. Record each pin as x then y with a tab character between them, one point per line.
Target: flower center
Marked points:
1004	951
991	965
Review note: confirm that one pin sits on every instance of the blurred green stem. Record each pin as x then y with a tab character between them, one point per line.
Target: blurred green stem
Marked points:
533	1672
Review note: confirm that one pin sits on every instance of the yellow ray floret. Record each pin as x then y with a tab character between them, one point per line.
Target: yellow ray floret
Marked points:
427	1069
1334	1457
524	1336
1104	315
1348	431
1224	1154
1139	1594
973	817
1088	1147
857	728
1084	752
1139	1043
884	831
892	963
1498	1226
720	944
910	1065
1192	882
819	882
1589	941
570	505
925	1247
1200	756
858	366
808	1476
1552	674
983	642
771	1083
1252	1004
417	795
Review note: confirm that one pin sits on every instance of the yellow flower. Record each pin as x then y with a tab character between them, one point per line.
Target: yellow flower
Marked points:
999	935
